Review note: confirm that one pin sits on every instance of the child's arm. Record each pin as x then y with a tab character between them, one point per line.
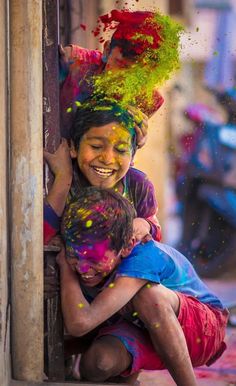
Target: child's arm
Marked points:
144	198
61	166
80	317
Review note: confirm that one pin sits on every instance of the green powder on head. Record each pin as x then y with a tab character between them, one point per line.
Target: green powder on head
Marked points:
135	85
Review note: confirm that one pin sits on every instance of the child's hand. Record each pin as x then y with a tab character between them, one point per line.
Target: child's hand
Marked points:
56	241
65	53
141	228
61	258
64	61
141	125
60	161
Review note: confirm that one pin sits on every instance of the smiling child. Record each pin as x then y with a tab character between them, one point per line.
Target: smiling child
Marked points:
102	149
171	319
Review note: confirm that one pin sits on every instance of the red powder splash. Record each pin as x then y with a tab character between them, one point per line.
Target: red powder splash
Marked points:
83	26
138	27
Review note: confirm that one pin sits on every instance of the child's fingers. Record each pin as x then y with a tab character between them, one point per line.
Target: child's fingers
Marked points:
146	238
64	143
141	136
46	155
61	50
137	114
141	126
61	257
65	53
56	241
139	133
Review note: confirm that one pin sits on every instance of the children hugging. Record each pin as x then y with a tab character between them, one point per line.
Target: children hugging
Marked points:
142	300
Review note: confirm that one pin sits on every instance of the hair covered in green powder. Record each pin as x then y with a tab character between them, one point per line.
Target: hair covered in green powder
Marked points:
135	85
99	112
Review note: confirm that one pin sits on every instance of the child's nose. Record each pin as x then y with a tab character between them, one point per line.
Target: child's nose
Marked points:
83	267
107	157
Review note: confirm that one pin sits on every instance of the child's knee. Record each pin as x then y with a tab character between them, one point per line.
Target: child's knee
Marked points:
96	365
101	361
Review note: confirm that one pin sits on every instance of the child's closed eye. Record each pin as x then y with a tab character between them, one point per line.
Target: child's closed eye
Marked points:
97	147
122	149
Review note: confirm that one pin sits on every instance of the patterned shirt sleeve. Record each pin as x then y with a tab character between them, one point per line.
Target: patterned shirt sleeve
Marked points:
143	196
51	224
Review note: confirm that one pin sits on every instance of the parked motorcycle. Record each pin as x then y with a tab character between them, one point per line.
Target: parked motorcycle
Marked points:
208	193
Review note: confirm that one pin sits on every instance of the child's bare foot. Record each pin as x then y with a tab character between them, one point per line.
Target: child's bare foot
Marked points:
76	371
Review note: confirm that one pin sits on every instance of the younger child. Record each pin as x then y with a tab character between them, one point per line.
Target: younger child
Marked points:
180	323
103	146
142	44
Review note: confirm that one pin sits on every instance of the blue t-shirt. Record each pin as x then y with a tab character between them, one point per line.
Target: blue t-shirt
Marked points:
160	263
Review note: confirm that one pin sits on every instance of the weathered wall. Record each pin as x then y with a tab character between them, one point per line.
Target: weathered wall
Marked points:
26	214
4	312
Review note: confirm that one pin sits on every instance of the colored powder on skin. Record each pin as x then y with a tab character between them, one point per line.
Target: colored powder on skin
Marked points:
135	85
88	223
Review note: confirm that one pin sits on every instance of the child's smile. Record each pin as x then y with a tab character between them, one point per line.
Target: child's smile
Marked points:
103	172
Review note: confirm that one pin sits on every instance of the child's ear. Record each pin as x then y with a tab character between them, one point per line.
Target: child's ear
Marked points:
127	250
73	151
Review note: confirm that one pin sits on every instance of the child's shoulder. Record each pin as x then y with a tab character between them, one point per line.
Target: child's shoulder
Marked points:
158	250
136	175
140	186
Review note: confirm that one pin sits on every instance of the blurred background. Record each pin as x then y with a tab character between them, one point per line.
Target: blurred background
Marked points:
190	155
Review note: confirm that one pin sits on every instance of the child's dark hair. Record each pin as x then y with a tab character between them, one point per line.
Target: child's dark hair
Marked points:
96	215
128	48
94	113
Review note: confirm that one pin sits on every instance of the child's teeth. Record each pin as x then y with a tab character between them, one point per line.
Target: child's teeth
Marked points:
104	172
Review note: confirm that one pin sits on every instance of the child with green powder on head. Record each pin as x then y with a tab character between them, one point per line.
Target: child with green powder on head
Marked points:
141	56
150	39
102	148
171	319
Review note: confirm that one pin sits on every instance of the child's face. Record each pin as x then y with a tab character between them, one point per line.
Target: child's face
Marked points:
116	61
94	262
104	154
